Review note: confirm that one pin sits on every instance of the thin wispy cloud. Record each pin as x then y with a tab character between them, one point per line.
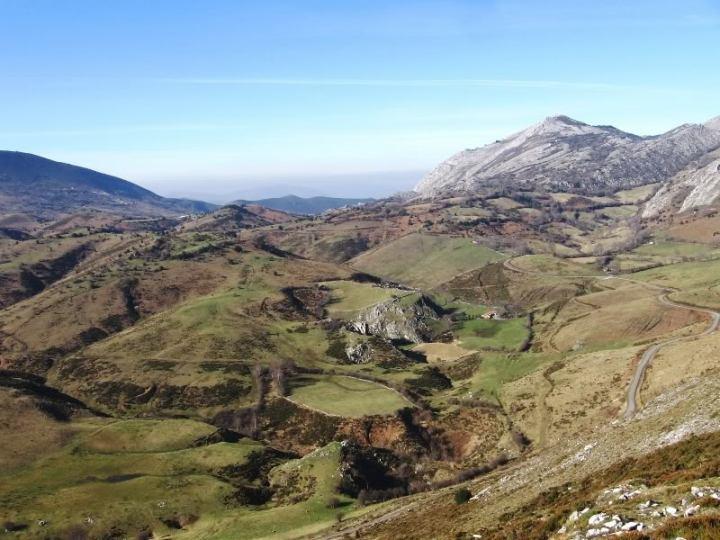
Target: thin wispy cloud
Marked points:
491	83
121	130
519	84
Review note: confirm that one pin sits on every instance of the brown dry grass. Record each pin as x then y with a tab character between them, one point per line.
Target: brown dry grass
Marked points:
701	229
27	434
442	352
692	459
624	315
680	361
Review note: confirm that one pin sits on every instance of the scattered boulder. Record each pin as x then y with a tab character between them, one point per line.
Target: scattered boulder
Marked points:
631	526
359	353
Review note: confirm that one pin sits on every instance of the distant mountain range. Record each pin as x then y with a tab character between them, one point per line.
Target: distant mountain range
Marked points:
557	154
42	187
563	154
45	188
305	205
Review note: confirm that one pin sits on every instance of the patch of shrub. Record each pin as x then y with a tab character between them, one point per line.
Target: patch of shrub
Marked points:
371	496
113	323
91	335
11	526
336	349
250	495
696	527
431	378
145	534
256	467
462	496
161	365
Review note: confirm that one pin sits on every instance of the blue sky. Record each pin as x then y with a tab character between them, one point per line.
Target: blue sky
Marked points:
216	98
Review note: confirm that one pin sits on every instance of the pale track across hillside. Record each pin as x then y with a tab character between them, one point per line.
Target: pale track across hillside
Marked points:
650	353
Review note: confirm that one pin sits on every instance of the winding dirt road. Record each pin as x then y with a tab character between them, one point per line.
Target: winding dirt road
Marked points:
650	353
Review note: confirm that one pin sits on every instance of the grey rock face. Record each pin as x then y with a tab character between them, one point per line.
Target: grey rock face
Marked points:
562	153
697	185
713	124
398	319
359	353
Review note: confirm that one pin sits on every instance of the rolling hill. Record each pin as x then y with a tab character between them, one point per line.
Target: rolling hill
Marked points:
44	188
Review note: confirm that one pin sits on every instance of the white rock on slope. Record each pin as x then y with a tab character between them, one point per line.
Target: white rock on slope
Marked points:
713	124
696	186
398	319
706	182
562	153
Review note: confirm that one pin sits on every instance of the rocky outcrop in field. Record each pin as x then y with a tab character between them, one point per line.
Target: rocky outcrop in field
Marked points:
408	318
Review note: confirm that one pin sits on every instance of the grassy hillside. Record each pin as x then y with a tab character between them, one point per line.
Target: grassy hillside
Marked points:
422	260
345	396
125	476
699	282
308	486
481	334
349	297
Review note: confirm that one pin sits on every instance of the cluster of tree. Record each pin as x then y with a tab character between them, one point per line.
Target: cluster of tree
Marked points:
280	374
336	348
469	474
474	403
372	496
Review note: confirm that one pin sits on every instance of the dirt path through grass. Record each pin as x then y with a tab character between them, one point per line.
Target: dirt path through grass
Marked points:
650	353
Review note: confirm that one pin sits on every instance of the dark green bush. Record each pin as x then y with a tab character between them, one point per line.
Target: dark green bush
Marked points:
462	496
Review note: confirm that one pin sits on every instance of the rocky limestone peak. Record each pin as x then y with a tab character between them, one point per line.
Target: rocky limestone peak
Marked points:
564	154
557	126
562	122
713	123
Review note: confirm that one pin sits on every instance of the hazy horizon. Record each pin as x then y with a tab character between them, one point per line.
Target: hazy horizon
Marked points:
376	185
242	97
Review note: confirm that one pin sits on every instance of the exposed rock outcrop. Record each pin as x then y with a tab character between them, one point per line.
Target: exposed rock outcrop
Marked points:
562	153
359	353
411	318
698	185
713	124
